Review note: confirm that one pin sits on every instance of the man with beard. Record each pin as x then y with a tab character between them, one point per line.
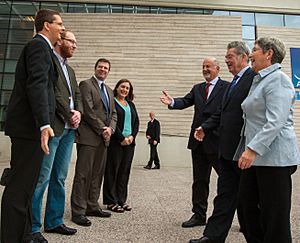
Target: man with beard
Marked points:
55	165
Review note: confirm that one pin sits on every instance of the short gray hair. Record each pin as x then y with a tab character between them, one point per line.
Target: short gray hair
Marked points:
274	44
240	47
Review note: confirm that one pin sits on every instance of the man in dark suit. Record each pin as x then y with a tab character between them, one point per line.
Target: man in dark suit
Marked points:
230	121
30	116
153	136
97	125
206	98
54	169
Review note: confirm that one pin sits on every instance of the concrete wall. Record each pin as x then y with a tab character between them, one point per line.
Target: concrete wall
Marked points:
155	52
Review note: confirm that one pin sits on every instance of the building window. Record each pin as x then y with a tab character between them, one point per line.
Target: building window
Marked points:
269	19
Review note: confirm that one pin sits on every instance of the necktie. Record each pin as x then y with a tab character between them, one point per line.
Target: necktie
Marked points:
105	98
233	84
207	90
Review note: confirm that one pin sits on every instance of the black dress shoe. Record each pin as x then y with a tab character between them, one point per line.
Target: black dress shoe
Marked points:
195	220
98	213
203	239
81	220
156	167
148	167
38	238
62	229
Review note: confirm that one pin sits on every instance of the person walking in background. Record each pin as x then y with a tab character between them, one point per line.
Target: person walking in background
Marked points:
229	119
121	149
206	97
29	122
153	136
55	165
94	133
271	153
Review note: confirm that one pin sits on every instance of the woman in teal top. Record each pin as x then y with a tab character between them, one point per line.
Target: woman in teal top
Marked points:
121	149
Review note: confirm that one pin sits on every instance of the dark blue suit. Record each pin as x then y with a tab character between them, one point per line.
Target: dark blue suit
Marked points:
229	119
204	154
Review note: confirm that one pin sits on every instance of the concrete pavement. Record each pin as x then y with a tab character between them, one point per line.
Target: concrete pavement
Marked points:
161	201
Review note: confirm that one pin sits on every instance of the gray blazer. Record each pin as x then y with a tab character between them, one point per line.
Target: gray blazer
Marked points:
95	116
268	125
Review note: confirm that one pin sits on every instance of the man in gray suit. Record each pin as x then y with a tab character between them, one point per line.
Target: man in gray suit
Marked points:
55	165
98	123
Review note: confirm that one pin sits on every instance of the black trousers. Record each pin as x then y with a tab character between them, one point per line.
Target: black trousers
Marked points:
202	165
225	203
153	155
89	171
271	189
117	172
16	215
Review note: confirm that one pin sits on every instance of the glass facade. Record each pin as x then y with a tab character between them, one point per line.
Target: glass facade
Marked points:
16	26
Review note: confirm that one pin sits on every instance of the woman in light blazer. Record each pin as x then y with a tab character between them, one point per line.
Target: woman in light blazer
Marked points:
270	151
121	149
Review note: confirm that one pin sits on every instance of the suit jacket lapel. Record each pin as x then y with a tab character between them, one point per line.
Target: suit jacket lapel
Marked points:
202	91
215	91
61	74
239	86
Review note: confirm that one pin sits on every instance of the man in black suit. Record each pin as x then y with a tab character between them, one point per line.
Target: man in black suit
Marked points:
54	168
230	121
206	98
153	136
30	116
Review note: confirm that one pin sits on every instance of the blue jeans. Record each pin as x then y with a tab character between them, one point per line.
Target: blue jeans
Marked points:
53	172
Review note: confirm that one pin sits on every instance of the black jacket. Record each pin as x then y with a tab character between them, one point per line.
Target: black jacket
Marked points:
153	130
32	102
229	117
203	109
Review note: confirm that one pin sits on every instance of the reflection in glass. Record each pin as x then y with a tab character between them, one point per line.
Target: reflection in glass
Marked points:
4	20
247	18
10	66
248	32
102	8
5	95
269	19
190	11
13	51
60	7
142	9
26	22
220	13
81	8
5	7
2	51
19	36
250	43
292	21
24	8
167	10
8	81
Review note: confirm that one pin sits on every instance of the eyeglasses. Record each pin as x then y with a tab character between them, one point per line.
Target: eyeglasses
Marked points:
70	40
58	23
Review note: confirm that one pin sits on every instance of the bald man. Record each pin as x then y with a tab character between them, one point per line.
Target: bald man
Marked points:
153	136
206	98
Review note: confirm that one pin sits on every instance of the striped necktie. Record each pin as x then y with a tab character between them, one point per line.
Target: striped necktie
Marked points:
105	98
233	84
